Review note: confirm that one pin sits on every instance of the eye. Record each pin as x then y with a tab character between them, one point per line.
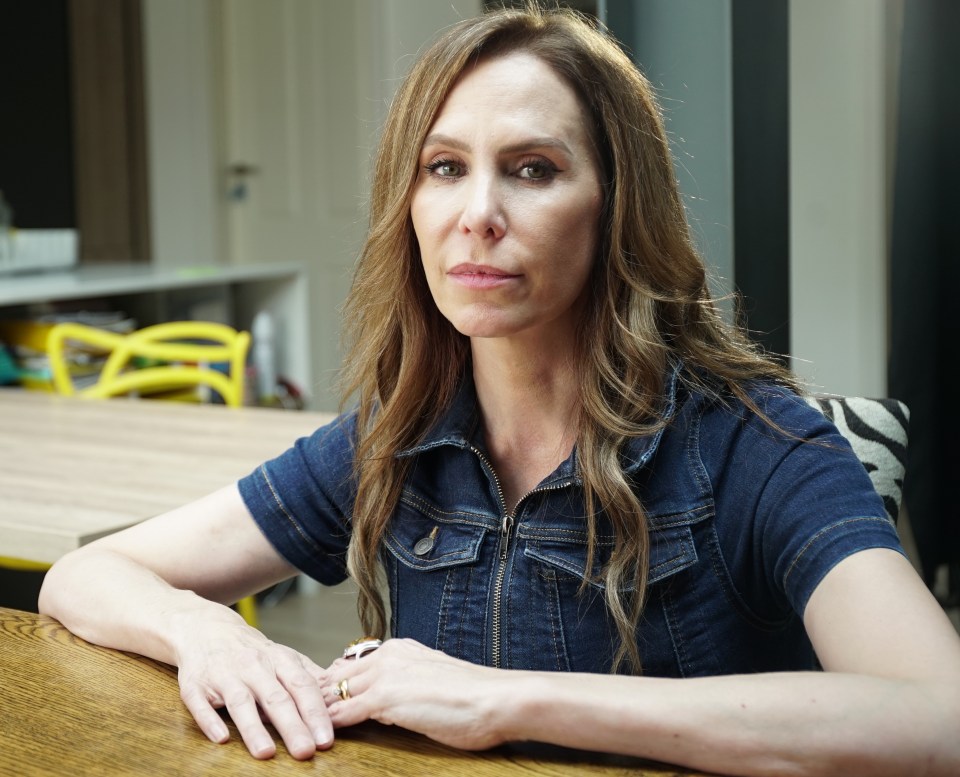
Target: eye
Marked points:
536	170
444	168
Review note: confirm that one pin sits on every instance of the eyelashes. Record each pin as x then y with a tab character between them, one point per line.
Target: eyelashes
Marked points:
537	170
444	168
532	169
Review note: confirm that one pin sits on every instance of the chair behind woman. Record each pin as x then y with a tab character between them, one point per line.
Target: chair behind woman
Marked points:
179	355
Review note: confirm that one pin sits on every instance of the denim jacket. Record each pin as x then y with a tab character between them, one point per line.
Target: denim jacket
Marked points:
744	522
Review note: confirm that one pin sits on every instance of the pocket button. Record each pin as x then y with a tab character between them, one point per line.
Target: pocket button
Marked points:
425	544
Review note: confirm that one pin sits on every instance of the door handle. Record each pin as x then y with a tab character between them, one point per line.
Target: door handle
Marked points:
242	169
238	173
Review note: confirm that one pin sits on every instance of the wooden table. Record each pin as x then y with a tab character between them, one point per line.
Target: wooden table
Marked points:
73	470
71	708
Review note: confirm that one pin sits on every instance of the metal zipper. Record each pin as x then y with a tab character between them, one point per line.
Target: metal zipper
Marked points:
505	528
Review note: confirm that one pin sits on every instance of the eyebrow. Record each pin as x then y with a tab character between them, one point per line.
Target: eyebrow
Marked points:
439	139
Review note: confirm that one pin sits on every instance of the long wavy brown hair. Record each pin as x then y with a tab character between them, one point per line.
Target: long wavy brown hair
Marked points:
649	301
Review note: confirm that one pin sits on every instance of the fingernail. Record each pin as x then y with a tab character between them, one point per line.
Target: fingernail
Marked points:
264	747
304	744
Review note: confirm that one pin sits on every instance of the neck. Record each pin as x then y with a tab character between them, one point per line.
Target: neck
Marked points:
528	401
509	376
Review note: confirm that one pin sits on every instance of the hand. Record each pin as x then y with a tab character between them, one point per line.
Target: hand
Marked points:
226	663
409	685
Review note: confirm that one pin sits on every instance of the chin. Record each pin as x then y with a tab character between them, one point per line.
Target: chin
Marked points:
473	320
481	332
485	328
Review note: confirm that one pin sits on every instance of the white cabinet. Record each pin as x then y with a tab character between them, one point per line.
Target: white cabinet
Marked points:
231	294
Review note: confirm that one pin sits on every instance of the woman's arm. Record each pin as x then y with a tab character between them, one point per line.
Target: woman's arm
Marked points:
160	589
888	702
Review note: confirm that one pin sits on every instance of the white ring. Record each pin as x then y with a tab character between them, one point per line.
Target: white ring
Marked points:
361	647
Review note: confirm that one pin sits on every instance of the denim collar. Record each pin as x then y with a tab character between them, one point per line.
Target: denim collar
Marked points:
460	427
637	451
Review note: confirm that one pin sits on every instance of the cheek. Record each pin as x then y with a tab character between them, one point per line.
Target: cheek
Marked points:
425	228
582	233
582	240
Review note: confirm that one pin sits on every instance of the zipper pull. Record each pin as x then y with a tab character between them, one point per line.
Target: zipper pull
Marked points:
505	528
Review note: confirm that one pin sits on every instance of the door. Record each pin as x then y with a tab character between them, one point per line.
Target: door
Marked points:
298	132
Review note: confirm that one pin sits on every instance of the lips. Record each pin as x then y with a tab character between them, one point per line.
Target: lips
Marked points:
468	268
480	276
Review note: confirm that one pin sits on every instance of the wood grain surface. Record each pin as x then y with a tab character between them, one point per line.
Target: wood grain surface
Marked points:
71	708
73	470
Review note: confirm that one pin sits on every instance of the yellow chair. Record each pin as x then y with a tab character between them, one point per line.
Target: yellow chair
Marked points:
22	565
177	361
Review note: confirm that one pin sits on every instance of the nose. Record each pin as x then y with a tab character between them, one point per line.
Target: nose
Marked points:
483	212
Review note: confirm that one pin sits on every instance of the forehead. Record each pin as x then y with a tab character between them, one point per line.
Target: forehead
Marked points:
516	91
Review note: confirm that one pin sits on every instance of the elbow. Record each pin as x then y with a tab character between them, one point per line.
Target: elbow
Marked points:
52	590
61	584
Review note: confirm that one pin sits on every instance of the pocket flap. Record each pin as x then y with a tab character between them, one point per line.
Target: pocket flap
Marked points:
423	542
671	550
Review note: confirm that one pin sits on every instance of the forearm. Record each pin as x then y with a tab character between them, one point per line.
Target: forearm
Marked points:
765	724
110	600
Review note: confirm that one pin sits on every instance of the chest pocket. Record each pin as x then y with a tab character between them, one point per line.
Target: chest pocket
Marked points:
576	623
671	548
425	538
436	589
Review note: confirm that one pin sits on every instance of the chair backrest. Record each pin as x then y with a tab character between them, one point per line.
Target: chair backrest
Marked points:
180	354
877	431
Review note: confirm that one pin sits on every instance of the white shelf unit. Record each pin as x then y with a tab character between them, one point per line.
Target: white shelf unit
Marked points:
233	293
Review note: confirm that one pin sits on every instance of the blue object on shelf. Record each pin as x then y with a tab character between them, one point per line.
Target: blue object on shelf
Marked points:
9	373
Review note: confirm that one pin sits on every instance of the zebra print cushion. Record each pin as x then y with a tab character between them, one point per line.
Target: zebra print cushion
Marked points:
877	431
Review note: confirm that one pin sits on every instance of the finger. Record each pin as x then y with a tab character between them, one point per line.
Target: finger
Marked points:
349	713
281	709
203	712
242	706
356	707
320	675
306	692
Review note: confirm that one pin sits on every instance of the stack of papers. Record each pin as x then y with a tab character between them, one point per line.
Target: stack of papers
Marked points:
27	341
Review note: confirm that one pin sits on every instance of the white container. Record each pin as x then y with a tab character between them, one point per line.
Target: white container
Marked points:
25	250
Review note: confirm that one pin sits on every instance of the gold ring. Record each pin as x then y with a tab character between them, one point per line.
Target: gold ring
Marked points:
343	689
360	647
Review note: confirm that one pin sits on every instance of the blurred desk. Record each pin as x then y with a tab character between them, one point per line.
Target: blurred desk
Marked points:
73	470
71	708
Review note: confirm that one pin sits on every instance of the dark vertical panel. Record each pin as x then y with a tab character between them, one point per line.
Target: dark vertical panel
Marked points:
621	20
925	275
761	174
109	129
72	122
36	148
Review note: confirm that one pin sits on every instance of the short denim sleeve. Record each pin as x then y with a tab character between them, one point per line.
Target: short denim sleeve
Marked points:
790	507
303	499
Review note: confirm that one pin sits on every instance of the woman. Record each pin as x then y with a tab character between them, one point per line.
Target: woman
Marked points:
561	459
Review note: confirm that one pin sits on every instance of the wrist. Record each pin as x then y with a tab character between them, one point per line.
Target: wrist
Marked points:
187	617
517	704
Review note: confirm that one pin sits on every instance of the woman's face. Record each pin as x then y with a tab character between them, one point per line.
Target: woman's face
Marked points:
507	203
